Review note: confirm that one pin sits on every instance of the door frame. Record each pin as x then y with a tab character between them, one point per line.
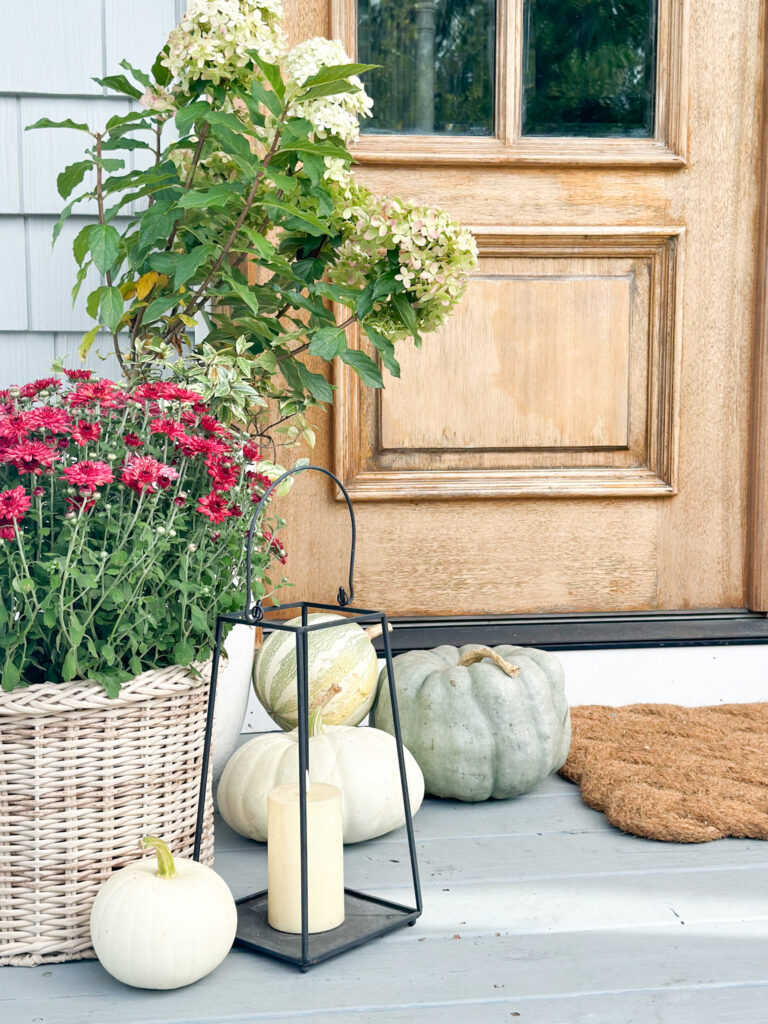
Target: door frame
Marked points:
757	503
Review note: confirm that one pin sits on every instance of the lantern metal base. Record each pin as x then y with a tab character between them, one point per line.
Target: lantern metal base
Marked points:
366	917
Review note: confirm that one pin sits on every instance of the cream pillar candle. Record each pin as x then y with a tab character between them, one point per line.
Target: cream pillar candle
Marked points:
325	858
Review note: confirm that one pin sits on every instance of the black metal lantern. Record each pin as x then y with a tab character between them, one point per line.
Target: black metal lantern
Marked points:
366	916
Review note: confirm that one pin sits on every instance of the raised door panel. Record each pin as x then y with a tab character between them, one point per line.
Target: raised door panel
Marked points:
549	355
556	376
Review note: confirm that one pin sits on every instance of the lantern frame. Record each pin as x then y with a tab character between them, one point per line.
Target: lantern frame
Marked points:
366	917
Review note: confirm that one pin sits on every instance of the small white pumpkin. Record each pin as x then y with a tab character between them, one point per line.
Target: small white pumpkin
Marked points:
343	656
162	924
362	762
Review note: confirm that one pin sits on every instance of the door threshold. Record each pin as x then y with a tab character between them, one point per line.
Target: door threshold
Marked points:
583	631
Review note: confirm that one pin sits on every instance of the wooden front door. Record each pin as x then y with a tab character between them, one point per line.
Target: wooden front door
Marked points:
578	437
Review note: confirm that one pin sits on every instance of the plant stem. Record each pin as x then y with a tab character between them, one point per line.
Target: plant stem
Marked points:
100	202
190	178
192	307
165	864
303	348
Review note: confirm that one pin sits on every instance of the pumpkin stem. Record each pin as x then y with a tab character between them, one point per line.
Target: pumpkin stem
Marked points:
318	708
165	865
471	657
376	630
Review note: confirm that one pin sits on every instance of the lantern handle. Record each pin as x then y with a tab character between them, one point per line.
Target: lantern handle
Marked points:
254	611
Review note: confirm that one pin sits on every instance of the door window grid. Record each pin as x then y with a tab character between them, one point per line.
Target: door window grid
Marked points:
509	145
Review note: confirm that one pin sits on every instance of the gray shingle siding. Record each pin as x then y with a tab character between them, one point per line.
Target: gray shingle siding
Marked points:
50	52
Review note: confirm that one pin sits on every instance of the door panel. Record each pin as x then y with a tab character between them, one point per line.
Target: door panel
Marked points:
597	387
557	375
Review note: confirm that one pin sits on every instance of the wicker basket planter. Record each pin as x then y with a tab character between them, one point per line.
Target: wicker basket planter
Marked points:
82	778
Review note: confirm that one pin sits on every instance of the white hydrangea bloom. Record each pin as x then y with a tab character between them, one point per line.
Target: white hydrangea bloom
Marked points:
330	115
435	256
337	170
214	36
155	98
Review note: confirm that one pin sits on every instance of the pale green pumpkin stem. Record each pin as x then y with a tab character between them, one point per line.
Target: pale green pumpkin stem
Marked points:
471	657
165	865
317	710
376	630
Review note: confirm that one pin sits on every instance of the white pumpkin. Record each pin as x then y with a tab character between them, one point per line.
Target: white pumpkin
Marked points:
343	656
163	924
361	762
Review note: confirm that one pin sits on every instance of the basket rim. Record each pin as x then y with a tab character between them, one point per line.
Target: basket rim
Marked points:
88	695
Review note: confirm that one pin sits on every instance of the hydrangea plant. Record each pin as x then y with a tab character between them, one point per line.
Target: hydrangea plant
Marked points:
225	199
227	196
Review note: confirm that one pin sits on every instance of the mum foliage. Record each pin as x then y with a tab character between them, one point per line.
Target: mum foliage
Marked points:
249	219
121	528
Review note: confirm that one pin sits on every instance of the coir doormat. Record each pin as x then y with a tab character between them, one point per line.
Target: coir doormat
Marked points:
685	775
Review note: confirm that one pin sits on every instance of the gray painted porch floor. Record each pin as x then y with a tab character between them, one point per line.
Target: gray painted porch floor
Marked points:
536	911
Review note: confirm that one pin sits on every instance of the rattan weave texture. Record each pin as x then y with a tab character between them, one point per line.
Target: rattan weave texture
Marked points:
82	779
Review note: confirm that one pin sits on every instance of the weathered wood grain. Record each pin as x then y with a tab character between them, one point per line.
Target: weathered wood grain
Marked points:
693	542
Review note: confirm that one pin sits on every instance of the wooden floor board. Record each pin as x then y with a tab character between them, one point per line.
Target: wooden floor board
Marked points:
532	907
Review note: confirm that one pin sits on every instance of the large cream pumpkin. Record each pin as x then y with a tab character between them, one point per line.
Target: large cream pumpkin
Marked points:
362	762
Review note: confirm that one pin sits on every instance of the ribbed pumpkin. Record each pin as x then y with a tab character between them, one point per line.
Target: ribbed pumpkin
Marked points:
482	723
362	762
343	656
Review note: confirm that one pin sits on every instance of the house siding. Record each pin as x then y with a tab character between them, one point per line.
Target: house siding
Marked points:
50	53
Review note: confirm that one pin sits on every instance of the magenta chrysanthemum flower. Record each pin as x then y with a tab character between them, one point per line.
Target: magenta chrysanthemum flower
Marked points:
162	390
212	425
14	504
223	474
78	374
166	476
168	427
202	446
142	472
259	483
44	384
85	432
88	476
30	456
47	418
276	546
13	426
132	440
103	392
214	507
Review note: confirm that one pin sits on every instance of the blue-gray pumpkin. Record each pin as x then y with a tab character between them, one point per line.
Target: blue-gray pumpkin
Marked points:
481	722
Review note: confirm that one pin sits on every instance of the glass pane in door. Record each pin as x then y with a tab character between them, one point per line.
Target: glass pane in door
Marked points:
589	68
438	62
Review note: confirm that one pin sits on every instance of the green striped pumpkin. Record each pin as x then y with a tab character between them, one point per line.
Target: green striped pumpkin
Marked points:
343	655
